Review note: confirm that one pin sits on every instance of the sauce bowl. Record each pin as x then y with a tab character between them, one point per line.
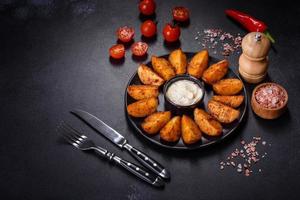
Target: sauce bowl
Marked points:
176	107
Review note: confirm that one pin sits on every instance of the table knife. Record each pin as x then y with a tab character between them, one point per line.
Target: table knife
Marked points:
82	142
121	142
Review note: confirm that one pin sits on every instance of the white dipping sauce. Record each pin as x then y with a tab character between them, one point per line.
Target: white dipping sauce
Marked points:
184	92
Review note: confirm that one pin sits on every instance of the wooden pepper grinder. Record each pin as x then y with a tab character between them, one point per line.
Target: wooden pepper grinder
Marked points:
253	62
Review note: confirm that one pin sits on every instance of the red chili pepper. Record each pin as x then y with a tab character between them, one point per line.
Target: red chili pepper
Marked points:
249	22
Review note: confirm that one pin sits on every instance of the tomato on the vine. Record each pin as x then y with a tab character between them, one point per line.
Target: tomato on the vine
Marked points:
147	7
125	33
148	28
117	51
180	14
171	33
139	48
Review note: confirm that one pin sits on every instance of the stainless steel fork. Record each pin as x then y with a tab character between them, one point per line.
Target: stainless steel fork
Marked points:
81	142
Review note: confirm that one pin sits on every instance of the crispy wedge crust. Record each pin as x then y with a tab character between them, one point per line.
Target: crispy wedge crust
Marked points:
227	87
148	76
232	101
171	132
198	64
154	122
179	61
143	108
222	113
163	67
139	92
189	130
215	72
207	124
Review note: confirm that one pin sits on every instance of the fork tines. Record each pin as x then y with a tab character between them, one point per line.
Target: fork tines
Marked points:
70	134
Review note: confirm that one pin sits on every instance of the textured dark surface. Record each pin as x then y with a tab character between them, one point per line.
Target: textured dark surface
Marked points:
53	58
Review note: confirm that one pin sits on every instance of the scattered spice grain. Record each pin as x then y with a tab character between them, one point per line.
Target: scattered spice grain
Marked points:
245	157
219	41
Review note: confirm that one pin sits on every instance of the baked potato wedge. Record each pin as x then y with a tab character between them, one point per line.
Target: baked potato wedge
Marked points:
171	132
232	101
215	72
143	108
207	124
198	64
190	131
163	67
227	87
148	76
139	92
222	113
154	122
178	60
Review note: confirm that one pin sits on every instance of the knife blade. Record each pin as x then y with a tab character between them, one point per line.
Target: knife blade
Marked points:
121	142
82	142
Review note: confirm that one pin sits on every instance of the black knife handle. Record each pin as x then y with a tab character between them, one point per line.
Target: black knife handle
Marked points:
147	176
148	162
138	171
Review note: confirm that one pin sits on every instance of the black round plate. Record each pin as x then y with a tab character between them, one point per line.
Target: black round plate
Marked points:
180	145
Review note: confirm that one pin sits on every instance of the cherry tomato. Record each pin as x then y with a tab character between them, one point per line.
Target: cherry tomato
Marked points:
147	7
148	28
139	48
125	33
117	51
171	33
180	14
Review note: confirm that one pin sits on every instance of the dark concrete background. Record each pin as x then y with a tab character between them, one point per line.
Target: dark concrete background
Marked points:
54	58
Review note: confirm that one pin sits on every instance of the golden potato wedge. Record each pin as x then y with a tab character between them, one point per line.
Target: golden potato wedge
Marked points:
215	72
190	131
207	123
171	132
154	122
163	67
178	60
139	92
148	76
198	64
227	87
222	113
143	108
232	101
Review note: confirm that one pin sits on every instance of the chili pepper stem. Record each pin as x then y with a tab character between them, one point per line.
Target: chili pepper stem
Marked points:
270	37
